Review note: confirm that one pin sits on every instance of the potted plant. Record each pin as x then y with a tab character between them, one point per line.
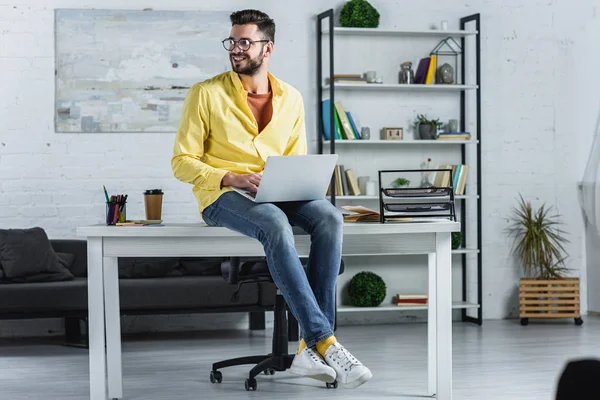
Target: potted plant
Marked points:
544	290
425	128
366	289
401	182
359	14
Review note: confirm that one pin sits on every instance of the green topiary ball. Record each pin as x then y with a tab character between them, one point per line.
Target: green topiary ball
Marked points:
366	289
359	14
456	240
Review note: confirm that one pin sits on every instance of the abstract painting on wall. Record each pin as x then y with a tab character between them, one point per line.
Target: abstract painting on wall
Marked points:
129	71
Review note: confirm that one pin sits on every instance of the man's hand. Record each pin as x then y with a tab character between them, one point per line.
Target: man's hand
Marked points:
248	182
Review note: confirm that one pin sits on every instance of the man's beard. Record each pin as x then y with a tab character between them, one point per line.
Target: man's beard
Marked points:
252	65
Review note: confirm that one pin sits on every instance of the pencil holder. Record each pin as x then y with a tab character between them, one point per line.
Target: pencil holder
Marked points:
115	212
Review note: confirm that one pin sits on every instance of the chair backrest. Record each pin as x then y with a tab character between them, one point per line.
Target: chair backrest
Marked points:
579	380
237	269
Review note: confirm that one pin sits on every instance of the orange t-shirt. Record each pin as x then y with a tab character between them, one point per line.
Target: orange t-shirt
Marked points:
262	108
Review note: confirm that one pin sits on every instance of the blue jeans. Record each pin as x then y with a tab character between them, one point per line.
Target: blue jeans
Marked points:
309	294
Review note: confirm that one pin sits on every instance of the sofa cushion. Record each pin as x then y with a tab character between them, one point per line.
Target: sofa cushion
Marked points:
78	248
144	295
183	292
66	259
44	297
26	255
148	267
201	265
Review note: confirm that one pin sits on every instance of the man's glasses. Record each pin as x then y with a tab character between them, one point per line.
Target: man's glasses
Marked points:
243	44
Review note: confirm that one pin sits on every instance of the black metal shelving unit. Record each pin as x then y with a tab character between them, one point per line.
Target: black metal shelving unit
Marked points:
326	20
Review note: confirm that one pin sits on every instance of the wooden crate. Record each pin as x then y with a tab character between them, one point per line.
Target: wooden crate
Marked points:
553	298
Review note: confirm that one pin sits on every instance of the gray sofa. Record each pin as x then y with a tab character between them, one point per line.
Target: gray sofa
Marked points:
147	286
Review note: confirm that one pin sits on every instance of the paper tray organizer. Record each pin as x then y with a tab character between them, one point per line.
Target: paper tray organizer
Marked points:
415	202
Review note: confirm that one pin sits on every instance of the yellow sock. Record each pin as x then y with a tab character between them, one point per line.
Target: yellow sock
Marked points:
302	346
324	344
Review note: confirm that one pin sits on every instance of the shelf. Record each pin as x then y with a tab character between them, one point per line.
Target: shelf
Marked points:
377	197
465	251
357	142
401	87
391	307
395	32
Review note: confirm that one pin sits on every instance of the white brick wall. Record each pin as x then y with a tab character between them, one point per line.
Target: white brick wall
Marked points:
539	108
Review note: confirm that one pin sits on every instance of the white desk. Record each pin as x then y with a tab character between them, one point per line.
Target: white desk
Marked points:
106	243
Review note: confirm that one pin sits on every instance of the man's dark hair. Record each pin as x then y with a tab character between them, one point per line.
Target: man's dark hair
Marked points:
264	23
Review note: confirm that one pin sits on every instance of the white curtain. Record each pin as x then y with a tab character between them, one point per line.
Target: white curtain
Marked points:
589	189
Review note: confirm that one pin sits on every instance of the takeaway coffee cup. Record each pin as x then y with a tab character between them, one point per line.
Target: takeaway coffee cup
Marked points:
153	203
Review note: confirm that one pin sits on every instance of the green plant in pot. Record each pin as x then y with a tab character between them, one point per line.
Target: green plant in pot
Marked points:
359	14
426	128
538	241
366	289
401	182
545	291
456	240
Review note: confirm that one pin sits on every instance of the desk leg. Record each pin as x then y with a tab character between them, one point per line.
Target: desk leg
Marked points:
113	328
97	355
444	315
431	329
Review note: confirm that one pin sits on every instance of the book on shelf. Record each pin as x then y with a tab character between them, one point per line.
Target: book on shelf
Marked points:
346	183
347	78
454	136
422	69
431	70
411	299
345	126
459	177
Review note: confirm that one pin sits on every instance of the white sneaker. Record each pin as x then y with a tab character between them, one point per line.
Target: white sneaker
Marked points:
310	364
350	372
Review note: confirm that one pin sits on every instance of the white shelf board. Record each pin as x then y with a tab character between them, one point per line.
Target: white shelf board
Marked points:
377	197
465	251
338	30
356	142
403	87
392	307
457	251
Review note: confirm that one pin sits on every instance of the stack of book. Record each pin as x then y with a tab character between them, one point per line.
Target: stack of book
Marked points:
348	78
346	183
459	177
454	136
344	125
411	299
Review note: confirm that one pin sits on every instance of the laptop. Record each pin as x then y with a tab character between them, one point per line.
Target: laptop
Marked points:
294	178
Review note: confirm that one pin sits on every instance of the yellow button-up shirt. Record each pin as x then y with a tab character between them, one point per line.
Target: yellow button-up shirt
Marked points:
218	133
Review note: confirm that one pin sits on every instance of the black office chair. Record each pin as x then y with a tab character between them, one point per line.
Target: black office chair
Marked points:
239	271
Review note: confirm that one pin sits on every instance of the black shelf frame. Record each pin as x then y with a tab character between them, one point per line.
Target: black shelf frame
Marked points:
321	23
463	22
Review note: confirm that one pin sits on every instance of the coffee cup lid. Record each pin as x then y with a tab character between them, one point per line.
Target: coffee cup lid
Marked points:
153	191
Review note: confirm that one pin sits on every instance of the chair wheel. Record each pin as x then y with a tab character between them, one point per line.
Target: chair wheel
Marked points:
250	384
524	321
333	385
578	321
216	377
269	371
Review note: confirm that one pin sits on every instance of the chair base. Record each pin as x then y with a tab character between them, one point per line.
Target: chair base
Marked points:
278	360
267	363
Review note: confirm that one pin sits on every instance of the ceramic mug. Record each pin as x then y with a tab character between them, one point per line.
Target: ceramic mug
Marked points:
371	76
362	183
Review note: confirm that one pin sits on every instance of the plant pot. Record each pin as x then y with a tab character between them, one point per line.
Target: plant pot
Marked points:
549	298
427	132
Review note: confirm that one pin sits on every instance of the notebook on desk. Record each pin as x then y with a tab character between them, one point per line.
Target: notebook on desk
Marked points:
294	178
